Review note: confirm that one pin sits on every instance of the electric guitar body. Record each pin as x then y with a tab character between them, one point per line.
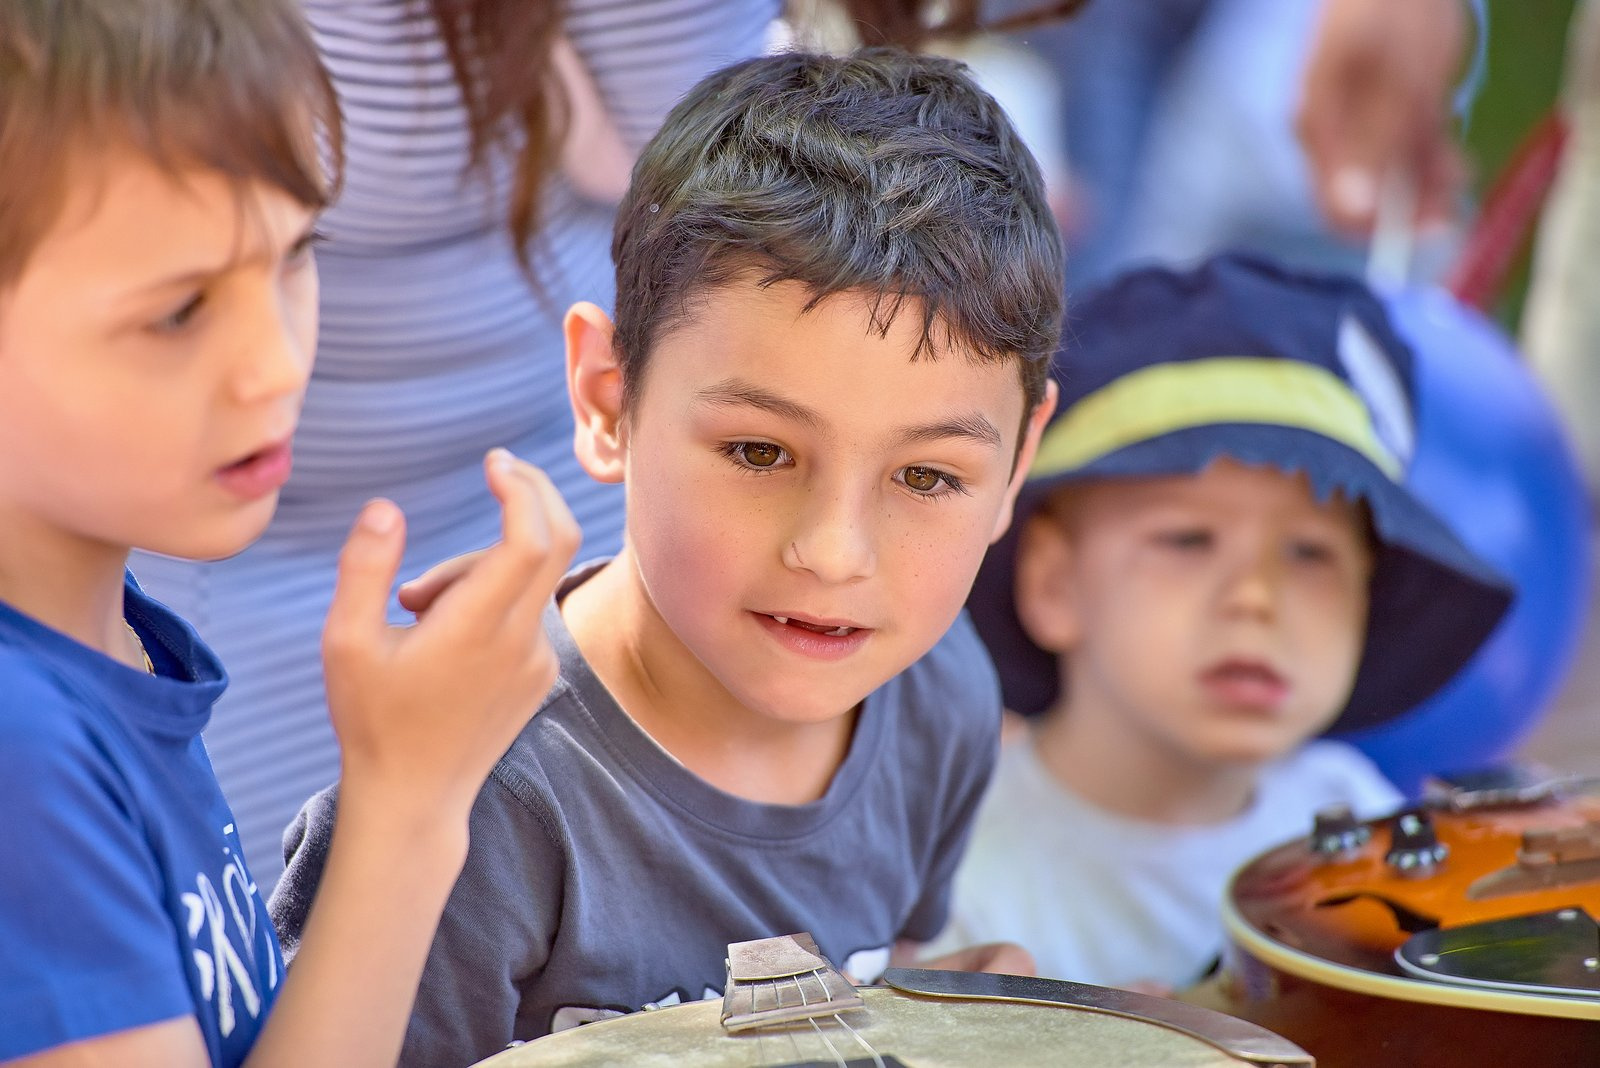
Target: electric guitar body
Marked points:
1462	932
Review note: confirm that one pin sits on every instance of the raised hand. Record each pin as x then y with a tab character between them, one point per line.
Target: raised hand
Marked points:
417	595
422	712
1376	102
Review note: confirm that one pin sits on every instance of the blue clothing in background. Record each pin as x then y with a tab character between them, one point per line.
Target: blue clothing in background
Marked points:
124	897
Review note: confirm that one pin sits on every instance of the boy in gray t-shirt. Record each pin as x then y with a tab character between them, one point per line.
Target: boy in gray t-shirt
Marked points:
839	287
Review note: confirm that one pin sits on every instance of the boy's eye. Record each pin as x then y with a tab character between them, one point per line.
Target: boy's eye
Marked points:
758	454
180	317
928	481
1310	552
301	252
1184	539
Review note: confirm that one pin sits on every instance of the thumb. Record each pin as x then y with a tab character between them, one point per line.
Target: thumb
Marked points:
368	565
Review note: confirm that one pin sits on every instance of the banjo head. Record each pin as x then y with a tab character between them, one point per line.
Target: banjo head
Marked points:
920	1032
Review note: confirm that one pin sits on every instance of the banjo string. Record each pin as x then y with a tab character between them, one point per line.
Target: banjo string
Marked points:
877	1060
777	990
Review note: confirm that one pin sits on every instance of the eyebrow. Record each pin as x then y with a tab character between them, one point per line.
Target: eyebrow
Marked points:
734	393
201	275
973	427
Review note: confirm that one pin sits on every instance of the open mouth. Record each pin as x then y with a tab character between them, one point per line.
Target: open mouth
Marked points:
255	457
259	473
816	628
1248	683
815	639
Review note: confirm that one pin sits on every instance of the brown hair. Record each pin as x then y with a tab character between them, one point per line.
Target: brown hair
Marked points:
233	85
511	97
883	172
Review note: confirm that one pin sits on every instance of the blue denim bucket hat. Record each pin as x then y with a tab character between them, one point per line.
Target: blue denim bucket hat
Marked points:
1164	371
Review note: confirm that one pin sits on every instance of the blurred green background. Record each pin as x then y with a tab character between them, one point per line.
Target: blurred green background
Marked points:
1526	45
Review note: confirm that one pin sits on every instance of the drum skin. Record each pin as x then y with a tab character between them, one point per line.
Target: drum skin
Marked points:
921	1032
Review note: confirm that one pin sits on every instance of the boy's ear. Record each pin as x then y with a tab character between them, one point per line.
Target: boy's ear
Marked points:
1037	421
1045	584
594	385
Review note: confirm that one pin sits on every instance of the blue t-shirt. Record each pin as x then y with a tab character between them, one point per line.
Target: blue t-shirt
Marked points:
124	898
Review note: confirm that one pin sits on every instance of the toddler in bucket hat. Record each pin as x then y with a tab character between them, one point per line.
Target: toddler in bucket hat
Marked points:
1214	561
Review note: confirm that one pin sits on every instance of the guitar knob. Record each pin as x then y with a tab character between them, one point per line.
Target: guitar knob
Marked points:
1336	833
1414	849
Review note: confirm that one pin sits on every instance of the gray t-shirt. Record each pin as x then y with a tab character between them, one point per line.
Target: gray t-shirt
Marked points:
603	876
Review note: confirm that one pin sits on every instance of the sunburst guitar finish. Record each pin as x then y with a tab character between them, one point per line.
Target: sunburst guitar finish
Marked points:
1459	933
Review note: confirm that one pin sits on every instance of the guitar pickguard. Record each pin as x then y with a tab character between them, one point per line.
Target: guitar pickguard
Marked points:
1544	953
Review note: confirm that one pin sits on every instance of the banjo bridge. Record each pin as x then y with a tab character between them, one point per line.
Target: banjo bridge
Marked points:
782	980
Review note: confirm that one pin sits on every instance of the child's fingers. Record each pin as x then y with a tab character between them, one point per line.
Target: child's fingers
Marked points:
1006	957
561	535
538	540
564	533
368	564
418	595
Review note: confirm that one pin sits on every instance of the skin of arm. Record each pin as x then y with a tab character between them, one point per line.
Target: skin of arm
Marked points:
1005	958
594	159
1376	101
413	759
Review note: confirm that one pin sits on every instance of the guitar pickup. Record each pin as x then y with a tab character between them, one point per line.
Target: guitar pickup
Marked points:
782	980
1550	858
1560	845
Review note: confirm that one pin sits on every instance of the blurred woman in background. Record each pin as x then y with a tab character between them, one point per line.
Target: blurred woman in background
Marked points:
486	143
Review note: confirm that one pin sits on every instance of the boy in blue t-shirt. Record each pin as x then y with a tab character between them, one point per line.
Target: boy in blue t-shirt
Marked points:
161	167
1216	560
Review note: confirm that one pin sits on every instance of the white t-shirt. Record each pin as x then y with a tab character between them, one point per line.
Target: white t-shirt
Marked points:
1100	898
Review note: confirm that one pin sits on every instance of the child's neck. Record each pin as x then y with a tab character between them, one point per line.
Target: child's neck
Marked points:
1112	766
665	689
74	586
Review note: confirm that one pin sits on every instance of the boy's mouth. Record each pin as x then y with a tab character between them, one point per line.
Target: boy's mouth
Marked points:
1246	683
832	630
814	639
260	473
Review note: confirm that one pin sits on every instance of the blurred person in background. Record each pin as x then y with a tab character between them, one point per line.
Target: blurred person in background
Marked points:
1192	125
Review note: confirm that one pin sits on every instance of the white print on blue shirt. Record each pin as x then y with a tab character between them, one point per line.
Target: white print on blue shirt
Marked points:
864	967
224	938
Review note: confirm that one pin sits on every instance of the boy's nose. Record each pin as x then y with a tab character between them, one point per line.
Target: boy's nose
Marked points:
274	352
834	541
1252	586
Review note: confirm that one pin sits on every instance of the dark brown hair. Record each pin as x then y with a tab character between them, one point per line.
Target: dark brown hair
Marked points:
233	85
513	97
883	173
